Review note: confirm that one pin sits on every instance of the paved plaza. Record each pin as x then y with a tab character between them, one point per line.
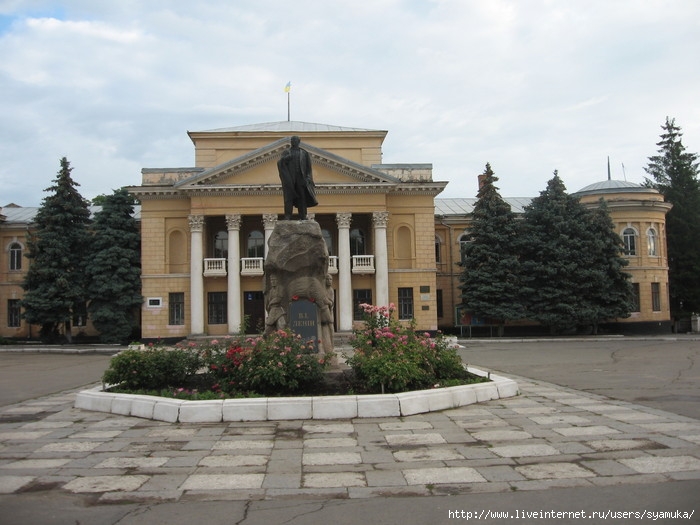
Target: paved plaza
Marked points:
549	436
606	441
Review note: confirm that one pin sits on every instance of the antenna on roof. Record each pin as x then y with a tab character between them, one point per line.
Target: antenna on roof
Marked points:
609	178
623	172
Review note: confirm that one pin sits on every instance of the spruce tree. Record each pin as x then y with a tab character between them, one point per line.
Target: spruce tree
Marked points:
490	279
114	273
674	173
609	292
55	282
556	271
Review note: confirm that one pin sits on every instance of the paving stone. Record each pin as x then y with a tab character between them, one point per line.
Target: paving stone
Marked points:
585	431
606	445
10	484
330	442
405	425
243	444
442	475
226	460
70	446
427	454
217	482
331	458
500	473
501	435
554	471
560	418
328	428
105	483
514	451
335	479
481	423
607	467
132	463
37	463
651	465
414	439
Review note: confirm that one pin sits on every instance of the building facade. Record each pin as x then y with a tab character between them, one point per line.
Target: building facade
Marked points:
204	232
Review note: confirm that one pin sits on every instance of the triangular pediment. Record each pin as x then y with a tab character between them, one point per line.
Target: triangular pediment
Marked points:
259	167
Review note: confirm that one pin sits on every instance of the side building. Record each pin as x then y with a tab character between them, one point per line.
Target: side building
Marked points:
639	216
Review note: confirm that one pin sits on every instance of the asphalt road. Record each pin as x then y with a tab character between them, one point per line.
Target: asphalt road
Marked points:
661	373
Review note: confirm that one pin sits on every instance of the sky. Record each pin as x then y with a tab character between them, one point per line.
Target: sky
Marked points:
529	86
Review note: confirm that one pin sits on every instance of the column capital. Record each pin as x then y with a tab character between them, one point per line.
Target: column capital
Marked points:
233	221
269	220
380	218
196	223
343	219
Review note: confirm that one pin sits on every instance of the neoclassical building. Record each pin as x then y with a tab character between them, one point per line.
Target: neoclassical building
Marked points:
205	229
391	239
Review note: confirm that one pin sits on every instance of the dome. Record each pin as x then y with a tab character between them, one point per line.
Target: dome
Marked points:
613	186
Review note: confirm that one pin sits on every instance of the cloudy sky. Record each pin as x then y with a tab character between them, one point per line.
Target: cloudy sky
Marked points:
528	85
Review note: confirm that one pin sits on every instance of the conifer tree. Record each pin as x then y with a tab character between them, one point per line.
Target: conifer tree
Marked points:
114	273
609	292
674	173
490	279
556	270
55	282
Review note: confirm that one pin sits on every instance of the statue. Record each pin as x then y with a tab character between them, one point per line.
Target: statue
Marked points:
275	310
297	180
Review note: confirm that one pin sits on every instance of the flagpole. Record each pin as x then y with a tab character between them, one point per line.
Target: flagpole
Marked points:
288	90
288	113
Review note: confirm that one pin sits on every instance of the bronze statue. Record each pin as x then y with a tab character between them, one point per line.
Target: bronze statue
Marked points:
297	180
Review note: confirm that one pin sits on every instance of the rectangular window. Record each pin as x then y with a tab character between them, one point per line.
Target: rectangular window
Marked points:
655	297
217	308
176	308
359	297
13	313
635	298
438	298
405	303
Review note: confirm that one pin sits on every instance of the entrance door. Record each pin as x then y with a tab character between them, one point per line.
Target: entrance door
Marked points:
254	311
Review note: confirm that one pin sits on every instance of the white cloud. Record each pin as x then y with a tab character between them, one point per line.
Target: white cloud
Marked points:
527	86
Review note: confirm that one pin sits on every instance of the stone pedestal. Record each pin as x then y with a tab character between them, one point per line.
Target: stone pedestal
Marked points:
296	271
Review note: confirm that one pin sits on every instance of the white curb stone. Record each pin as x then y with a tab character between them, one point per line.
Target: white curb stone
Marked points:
289	408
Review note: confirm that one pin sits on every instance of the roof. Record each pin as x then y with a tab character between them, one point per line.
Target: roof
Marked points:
288	126
26	214
466	206
613	186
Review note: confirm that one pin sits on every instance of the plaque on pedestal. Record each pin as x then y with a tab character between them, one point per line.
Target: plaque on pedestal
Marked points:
303	320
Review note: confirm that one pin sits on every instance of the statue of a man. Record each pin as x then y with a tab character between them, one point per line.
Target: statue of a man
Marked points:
297	180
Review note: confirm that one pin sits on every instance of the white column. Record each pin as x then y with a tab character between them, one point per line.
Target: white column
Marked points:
233	297
344	273
196	275
269	221
381	259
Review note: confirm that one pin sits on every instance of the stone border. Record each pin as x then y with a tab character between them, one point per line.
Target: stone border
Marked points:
312	407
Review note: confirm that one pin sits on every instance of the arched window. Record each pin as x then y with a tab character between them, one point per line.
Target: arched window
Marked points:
256	244
357	242
329	240
629	238
464	240
15	256
221	244
652	244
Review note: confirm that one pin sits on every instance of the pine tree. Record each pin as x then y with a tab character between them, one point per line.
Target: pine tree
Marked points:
556	271
490	280
674	173
55	282
114	272
610	291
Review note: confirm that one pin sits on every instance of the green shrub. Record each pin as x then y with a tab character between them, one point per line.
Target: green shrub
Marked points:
390	357
279	364
153	368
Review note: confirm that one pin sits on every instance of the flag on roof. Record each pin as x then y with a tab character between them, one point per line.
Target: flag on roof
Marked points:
288	87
